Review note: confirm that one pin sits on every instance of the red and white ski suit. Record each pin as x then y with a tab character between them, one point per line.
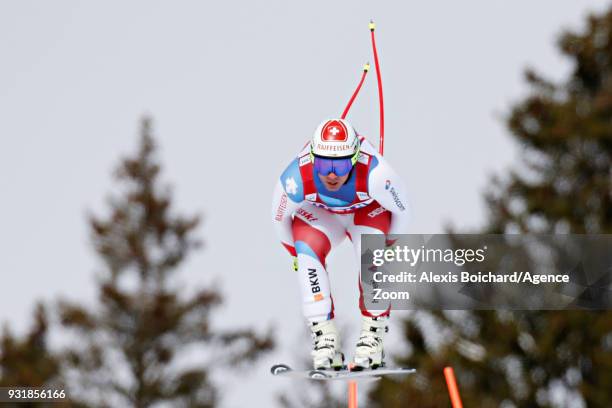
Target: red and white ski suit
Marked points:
311	221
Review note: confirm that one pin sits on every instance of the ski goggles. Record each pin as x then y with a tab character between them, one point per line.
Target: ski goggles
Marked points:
340	167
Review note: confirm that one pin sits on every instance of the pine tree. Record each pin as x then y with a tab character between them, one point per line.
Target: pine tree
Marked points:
127	347
534	359
27	362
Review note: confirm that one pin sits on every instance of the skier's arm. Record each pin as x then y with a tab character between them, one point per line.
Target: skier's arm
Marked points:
282	209
288	196
388	189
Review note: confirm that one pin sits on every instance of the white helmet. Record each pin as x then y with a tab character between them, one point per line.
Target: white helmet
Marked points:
335	138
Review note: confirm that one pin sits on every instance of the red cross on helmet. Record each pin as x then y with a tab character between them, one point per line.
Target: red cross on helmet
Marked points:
335	138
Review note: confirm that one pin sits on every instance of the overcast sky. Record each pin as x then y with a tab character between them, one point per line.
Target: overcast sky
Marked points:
247	82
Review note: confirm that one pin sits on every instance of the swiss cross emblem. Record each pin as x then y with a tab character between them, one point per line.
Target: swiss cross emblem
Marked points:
334	131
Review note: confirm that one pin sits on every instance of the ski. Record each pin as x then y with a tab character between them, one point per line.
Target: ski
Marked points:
323	375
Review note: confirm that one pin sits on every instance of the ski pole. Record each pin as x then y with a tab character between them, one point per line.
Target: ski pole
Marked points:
381	146
453	391
366	68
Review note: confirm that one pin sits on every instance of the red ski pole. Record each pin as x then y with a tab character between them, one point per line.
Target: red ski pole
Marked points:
366	68
381	146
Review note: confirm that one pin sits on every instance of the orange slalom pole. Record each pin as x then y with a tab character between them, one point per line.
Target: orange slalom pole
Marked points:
352	400
352	392
453	390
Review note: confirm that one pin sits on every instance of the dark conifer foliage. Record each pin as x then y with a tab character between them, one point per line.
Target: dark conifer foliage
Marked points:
28	362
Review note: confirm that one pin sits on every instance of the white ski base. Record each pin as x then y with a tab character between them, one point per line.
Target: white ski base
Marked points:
324	375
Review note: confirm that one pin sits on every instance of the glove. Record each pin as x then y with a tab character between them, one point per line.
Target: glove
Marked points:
295	263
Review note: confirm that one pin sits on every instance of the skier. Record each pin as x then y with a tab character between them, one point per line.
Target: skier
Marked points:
338	186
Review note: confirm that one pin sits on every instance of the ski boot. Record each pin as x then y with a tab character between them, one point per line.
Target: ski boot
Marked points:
369	351
326	348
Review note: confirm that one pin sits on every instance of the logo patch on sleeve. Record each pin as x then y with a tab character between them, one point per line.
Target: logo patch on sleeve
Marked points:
304	160
362	195
363	158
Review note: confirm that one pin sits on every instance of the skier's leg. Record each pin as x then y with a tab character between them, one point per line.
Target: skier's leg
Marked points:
315	233
372	219
369	352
